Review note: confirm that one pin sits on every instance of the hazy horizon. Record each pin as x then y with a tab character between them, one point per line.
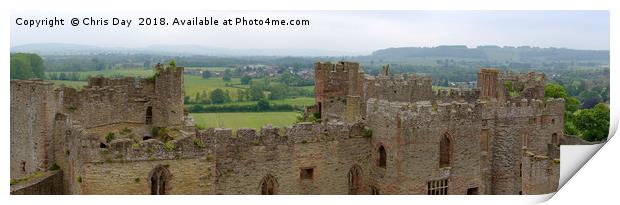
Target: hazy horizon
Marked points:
339	31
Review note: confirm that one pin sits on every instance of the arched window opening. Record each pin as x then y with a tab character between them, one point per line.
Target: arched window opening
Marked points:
382	157
160	180
445	151
269	186
374	190
355	180
555	139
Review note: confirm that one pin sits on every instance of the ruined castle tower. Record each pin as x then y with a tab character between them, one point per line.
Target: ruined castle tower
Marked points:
487	83
33	106
338	89
167	102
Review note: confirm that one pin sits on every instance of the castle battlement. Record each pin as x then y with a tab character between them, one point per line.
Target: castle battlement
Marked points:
199	145
522	108
462	110
392	133
299	133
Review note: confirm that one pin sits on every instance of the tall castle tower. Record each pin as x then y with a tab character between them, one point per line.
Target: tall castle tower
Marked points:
338	89
167	102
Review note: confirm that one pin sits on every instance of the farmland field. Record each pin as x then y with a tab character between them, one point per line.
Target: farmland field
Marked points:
68	83
298	101
196	84
208	68
245	119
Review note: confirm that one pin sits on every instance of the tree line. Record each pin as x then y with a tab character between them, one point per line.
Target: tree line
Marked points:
26	66
591	124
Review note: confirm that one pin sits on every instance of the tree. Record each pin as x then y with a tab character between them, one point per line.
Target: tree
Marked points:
554	90
278	91
245	80
593	123
240	95
206	74
589	99
256	93
287	78
227	75
26	66
572	104
218	96
263	104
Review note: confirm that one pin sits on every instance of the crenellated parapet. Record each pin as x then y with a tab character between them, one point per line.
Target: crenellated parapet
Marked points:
522	108
540	173
203	143
449	95
403	88
424	108
95	106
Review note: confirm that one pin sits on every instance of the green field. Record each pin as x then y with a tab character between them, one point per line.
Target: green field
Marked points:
245	119
68	83
196	84
208	68
299	101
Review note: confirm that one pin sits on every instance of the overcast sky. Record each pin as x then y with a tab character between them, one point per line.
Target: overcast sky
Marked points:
351	31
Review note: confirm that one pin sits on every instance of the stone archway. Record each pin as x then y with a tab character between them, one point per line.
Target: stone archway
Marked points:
269	185
445	151
355	180
160	180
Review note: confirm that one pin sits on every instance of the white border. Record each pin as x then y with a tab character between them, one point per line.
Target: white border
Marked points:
596	182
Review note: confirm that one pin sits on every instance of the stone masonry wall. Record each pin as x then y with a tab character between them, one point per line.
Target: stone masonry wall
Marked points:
330	150
411	88
188	176
411	133
49	184
33	105
107	101
168	98
541	174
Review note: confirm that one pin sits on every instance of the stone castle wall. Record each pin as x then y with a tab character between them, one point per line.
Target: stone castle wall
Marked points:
540	174
33	105
224	163
411	88
410	133
107	101
329	150
493	139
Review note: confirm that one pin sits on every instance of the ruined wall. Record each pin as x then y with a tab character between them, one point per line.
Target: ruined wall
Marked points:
411	132
330	150
123	166
530	85
188	176
107	101
48	184
33	105
168	98
410	88
71	142
513	127
340	80
459	95
488	83
541	174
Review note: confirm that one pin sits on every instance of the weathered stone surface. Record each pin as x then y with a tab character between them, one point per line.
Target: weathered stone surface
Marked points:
390	134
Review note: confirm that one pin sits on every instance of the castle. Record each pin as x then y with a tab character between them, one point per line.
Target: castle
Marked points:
386	134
